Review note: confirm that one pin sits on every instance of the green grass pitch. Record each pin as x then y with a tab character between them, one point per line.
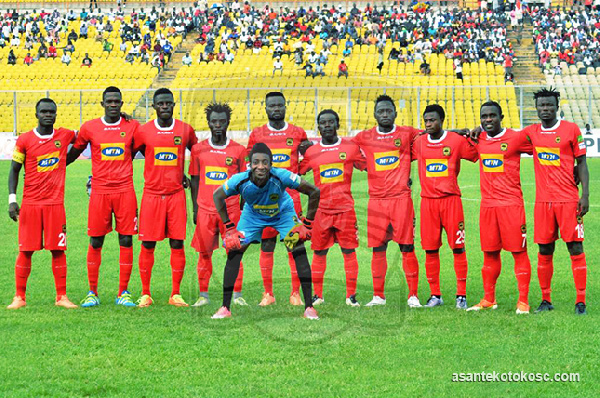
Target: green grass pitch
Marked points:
391	351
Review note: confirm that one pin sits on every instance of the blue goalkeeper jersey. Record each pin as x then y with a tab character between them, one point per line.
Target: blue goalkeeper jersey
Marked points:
268	201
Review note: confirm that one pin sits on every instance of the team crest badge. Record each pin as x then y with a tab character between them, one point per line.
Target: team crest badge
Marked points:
446	151
343	155
57	144
228	161
579	220
461	226
557	140
523	228
122	134
289	142
274	197
397	142
177	140
503	146
64	228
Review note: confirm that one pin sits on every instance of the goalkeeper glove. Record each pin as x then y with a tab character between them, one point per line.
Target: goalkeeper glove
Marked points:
300	233
233	237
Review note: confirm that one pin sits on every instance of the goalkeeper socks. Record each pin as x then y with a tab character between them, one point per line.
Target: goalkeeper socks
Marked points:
237	288
295	280
579	266
94	258
523	274
545	270
410	265
319	265
378	270
266	270
303	269
232	267
205	269
22	272
432	271
461	269
177	269
146	262
125	267
351	267
492	264
59	269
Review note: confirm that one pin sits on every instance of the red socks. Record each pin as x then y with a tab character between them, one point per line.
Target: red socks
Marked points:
94	259
22	271
378	270
579	266
125	267
205	269
523	274
492	264
545	270
432	271
461	269
319	264
177	269
410	265
351	267
146	262
59	269
295	279
266	270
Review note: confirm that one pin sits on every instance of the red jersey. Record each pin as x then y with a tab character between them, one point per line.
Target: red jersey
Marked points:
214	165
388	160
45	160
165	155
111	146
554	153
439	163
283	143
332	167
500	167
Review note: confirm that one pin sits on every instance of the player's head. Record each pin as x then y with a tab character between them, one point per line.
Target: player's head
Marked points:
260	161
163	103
275	106
45	112
385	111
218	115
433	117
491	117
546	103
328	122
112	101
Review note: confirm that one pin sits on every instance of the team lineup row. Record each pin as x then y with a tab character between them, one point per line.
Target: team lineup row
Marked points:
265	175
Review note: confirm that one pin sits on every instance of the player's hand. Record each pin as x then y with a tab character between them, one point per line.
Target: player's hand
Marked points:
13	211
583	206
233	237
126	116
304	145
300	233
186	182
463	132
475	133
195	220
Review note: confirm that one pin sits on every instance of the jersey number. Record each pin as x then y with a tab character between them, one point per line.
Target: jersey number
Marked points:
460	240
62	239
579	229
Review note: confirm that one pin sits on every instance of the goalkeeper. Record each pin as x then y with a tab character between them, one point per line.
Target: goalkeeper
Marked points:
267	204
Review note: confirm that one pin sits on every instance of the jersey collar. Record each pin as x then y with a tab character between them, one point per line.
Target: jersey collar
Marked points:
110	124
431	140
499	135
171	127
218	146
382	133
338	142
285	126
556	126
43	137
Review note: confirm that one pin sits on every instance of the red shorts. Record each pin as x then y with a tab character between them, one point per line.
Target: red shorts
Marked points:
503	228
42	223
390	219
102	207
338	228
208	227
269	232
163	216
549	218
441	213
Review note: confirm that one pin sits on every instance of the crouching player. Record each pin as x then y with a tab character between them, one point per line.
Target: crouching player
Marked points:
267	204
332	162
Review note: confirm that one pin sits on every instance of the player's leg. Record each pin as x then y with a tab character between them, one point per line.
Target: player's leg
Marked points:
230	274
125	269
545	234
346	234
126	216
205	241
176	231
351	268
523	275
94	259
267	247
99	224
177	271
146	263
295	294
238	298
322	239
319	265
22	272
403	222
431	233
379	232
453	222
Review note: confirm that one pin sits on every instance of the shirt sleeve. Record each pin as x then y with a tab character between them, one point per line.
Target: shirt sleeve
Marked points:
192	138
82	139
360	162
231	185
578	143
304	166
20	150
525	145
138	139
194	168
468	150
289	179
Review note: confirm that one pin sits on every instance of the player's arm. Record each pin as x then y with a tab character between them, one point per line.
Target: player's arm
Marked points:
233	238
13	182
219	197
73	154
194	184
314	196
304	145
584	176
